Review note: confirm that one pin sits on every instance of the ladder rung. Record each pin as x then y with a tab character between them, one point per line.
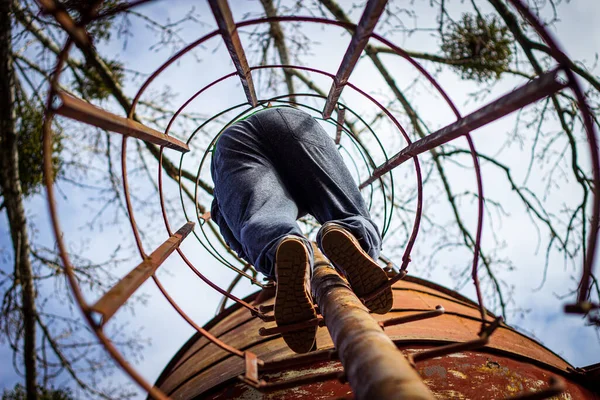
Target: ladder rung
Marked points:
118	295
82	111
224	18
361	36
439	310
537	89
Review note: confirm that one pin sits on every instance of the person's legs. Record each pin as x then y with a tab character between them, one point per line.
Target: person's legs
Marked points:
252	207
364	274
310	163
320	182
257	217
293	299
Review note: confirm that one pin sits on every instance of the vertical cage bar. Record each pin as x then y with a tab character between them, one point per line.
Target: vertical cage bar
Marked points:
224	18
361	36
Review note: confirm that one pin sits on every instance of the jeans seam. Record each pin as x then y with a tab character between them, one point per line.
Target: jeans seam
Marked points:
291	132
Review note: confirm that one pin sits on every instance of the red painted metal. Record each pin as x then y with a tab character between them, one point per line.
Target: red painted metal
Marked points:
475	375
512	363
320	390
468	375
201	369
555	387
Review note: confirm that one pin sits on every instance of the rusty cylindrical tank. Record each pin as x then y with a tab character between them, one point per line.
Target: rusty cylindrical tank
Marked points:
511	364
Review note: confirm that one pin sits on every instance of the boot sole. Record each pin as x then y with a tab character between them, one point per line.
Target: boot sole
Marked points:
293	303
364	275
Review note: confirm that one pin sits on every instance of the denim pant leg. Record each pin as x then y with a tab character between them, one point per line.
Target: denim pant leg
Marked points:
310	163
252	206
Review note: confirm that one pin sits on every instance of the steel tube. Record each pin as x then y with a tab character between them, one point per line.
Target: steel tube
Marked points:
539	88
374	367
82	111
118	294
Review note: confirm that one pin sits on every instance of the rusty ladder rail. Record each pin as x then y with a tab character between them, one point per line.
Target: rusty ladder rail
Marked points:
342	311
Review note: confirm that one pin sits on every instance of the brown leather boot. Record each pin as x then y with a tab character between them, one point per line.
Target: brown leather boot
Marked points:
293	301
362	272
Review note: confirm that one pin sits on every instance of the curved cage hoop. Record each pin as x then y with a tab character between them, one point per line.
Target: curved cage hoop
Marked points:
377	186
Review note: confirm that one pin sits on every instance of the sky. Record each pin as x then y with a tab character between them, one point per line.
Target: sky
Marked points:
577	31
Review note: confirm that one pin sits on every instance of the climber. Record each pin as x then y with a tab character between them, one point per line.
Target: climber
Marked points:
271	169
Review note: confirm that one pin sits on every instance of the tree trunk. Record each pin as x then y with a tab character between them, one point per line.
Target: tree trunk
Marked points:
13	199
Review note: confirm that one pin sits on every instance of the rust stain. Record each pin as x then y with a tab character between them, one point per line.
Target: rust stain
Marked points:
468	375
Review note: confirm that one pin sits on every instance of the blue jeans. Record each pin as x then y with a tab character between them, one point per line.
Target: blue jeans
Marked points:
273	168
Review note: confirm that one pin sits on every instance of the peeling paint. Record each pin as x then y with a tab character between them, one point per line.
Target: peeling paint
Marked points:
450	394
502	369
435	371
477	376
293	374
457	374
